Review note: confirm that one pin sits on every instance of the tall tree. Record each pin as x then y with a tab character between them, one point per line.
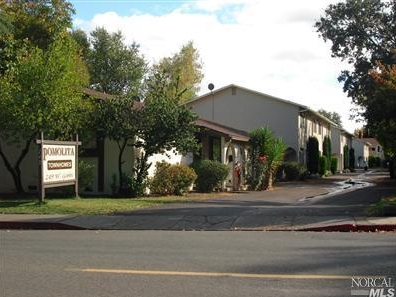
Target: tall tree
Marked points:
41	92
31	22
163	125
82	40
41	77
38	21
117	119
157	125
362	32
332	116
381	116
183	72
115	67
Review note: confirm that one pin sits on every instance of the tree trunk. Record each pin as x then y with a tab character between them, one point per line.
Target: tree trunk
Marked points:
15	170
268	180
141	174
143	167
121	146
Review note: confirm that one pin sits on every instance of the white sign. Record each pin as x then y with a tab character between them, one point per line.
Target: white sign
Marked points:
59	163
373	286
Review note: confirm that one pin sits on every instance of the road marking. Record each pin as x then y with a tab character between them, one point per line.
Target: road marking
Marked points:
214	274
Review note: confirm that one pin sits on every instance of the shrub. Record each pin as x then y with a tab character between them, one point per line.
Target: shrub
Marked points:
334	165
266	155
86	175
346	157
378	162
114	184
210	175
313	155
134	188
172	179
327	150
292	170
322	165
352	159
374	161
371	161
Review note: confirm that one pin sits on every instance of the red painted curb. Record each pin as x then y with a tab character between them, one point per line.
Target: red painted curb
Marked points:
351	228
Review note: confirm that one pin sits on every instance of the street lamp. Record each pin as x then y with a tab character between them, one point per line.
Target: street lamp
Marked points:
211	87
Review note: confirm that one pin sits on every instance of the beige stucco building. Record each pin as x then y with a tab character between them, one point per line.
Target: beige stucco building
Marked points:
362	151
102	154
246	110
217	142
226	115
339	139
376	150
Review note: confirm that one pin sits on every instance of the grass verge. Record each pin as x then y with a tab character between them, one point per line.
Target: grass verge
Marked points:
376	210
91	206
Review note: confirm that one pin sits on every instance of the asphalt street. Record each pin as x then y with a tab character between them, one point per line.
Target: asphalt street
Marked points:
201	263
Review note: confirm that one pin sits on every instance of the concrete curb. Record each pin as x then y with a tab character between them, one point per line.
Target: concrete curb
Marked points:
10	225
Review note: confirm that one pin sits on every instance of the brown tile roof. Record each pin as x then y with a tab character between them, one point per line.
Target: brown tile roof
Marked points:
372	141
97	94
104	96
234	134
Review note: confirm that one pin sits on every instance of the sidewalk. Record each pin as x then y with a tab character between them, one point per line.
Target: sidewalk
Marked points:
252	221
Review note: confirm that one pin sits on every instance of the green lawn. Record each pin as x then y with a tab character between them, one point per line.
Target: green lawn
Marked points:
91	206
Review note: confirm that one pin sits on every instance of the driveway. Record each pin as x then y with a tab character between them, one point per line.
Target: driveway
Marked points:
289	205
319	204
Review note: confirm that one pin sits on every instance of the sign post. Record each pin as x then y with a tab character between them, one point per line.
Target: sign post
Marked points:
58	164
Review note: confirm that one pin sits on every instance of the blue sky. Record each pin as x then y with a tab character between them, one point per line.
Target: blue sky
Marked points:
86	9
268	46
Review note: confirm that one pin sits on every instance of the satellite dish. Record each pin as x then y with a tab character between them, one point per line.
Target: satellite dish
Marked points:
210	87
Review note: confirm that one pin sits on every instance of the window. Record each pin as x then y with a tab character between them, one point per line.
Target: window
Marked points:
215	149
89	147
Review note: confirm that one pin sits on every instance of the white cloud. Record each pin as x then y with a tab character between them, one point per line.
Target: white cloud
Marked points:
213	6
271	46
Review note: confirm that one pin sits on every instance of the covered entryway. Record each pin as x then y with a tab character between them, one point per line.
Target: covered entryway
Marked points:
226	145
